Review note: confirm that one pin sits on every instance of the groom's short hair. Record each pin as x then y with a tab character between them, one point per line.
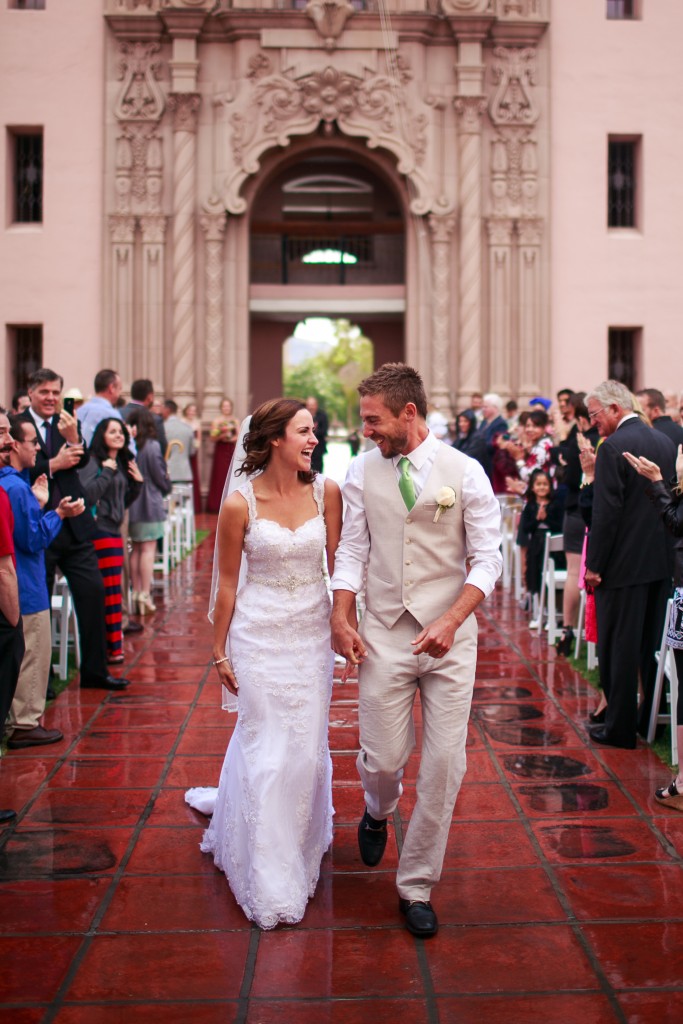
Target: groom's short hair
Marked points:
396	384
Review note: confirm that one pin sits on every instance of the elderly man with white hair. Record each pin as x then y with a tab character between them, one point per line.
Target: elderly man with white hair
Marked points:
627	562
493	425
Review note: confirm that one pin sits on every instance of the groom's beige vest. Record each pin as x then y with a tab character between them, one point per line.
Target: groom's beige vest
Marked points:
415	564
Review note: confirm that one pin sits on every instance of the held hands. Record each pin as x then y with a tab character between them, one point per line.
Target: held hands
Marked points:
643	466
346	641
67	508
226	673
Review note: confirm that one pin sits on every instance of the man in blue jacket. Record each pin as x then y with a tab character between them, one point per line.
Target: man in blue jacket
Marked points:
34	530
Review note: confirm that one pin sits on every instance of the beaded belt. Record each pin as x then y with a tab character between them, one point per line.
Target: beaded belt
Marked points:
287	582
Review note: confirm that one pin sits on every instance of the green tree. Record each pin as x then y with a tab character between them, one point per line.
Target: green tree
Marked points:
332	377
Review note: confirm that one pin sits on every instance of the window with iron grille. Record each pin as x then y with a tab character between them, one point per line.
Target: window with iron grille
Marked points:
622	171
622	350
28	5
26	345
621	9
27	168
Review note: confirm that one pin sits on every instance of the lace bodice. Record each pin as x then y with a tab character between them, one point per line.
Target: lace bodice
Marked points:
278	556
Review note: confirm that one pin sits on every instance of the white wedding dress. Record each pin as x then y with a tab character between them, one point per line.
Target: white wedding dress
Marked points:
272	812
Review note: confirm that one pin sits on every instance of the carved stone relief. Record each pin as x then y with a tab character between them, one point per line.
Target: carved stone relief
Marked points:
465	6
273	106
513	112
139	169
329	18
140	97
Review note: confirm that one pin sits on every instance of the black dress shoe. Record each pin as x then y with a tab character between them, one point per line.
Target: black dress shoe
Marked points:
372	839
103	683
601	734
132	627
597	717
6	816
420	917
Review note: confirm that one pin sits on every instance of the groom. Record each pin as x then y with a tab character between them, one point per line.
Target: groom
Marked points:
416	511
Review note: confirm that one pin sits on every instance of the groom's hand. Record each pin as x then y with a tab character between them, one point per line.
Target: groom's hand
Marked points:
435	639
346	641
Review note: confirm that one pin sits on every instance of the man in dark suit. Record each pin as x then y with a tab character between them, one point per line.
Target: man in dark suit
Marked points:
60	455
142	393
321	427
627	562
654	407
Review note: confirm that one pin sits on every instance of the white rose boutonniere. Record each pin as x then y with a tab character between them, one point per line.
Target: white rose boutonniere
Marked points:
445	499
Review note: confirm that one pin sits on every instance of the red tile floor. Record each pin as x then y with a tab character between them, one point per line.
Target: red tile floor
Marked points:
561	899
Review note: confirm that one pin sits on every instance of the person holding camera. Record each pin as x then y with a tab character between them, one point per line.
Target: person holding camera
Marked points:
61	453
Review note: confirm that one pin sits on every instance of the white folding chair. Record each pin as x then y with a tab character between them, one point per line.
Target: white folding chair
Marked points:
552	580
163	559
666	668
64	626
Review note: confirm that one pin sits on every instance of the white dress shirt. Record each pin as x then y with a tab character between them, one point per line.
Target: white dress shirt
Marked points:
481	513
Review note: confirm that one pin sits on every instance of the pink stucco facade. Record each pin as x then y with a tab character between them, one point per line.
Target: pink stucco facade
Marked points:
51	76
513	278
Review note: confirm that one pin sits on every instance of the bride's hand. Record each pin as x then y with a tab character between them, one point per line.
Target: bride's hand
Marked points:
226	674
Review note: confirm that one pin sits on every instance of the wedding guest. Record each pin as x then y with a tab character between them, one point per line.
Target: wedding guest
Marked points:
111	482
191	417
20	401
60	455
627	563
321	428
470	441
147	513
142	395
34	530
668	500
102	405
180	438
11	632
223	434
654	406
542	514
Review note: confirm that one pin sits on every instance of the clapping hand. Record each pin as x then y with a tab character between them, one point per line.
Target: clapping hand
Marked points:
41	489
67	508
650	470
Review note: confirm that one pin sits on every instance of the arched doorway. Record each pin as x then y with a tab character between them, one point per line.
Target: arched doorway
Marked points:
327	238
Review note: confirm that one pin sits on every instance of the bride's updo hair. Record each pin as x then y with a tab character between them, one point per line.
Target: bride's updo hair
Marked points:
268	423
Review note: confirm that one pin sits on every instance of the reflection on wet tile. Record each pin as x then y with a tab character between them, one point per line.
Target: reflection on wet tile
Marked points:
526	735
501	692
509	712
566	798
545	766
47	853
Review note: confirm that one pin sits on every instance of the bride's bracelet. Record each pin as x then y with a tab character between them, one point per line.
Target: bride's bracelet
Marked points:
221	660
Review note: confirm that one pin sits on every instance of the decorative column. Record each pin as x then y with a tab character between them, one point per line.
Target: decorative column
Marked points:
151	365
184	108
469	106
441	231
213	223
500	262
122	230
530	235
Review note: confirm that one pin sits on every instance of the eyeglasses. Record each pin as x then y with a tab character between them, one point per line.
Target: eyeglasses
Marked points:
594	415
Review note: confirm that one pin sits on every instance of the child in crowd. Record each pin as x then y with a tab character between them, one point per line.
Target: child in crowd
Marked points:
541	515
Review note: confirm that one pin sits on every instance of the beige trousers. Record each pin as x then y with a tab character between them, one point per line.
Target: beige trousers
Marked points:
388	681
29	698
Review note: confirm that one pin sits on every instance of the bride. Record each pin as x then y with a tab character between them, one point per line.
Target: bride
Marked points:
272	814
